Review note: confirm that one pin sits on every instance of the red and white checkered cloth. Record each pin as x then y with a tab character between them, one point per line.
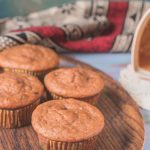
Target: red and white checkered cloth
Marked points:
83	26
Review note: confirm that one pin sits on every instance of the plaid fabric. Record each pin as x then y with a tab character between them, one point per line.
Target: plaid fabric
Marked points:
83	26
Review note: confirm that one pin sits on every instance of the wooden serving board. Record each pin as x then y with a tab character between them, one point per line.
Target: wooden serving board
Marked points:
124	127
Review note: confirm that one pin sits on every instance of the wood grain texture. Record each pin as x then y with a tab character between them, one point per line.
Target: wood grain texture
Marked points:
124	127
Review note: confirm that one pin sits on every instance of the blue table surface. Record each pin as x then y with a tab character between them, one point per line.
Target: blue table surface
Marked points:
112	64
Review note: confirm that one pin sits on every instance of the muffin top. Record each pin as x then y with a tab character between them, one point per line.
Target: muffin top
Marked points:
18	90
29	57
74	82
67	120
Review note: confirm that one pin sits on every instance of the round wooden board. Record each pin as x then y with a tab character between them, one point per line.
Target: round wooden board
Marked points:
124	127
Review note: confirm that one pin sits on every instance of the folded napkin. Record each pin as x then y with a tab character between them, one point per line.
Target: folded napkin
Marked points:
140	92
83	26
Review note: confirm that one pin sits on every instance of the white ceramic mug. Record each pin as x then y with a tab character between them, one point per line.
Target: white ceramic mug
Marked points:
141	47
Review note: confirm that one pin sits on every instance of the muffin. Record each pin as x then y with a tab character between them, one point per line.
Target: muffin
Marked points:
67	125
30	59
80	83
19	96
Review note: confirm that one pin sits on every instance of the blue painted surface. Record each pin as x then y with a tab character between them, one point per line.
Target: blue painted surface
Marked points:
9	8
109	63
112	64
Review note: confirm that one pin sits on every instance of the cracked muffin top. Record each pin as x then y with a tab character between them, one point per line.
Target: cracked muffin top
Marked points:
29	57
18	90
74	82
67	120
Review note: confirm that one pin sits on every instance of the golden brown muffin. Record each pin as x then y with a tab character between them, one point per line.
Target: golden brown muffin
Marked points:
31	59
19	95
80	83
67	123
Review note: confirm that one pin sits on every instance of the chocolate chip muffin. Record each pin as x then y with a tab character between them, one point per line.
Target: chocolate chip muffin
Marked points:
67	124
80	83
19	96
30	59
